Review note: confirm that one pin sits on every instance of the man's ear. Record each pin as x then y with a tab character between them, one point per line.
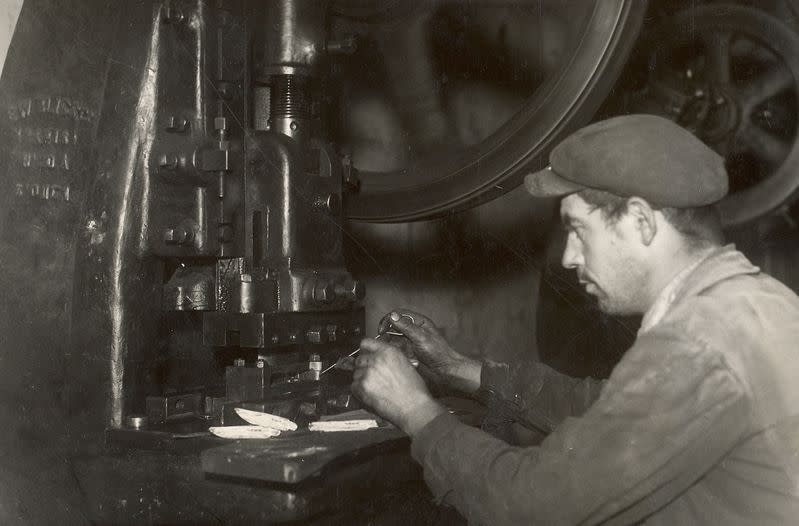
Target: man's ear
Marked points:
644	219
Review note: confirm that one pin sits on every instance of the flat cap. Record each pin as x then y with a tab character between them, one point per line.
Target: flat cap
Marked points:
634	155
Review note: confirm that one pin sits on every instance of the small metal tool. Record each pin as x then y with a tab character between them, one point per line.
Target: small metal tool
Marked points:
353	353
379	335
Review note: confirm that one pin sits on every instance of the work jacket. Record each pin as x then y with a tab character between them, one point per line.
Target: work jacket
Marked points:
697	424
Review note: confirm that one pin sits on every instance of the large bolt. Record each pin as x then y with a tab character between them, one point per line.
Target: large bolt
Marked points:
136	421
220	123
328	202
221	128
332	333
352	290
176	124
314	335
177	236
345	46
168	161
172	15
324	292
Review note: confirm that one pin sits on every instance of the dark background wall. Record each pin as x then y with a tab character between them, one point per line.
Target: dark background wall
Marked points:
476	274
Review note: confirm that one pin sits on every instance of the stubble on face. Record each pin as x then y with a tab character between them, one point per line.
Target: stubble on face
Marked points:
620	291
607	269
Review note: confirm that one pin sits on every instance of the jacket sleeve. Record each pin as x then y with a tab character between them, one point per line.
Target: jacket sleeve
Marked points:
534	394
670	411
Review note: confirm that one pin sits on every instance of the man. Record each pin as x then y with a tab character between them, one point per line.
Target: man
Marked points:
698	423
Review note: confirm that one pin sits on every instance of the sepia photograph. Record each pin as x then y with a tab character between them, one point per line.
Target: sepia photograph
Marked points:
399	262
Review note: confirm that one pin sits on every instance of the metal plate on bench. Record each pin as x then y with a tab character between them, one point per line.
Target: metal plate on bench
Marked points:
294	457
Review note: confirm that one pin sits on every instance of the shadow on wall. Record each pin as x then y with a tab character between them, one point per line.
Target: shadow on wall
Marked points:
476	274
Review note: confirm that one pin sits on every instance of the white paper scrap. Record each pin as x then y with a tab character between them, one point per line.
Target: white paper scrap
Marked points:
237	432
342	425
266	420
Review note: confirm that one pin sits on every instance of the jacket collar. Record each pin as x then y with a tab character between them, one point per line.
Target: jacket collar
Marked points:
719	265
714	267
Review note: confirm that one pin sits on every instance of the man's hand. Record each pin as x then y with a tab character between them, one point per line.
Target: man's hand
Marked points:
385	380
437	358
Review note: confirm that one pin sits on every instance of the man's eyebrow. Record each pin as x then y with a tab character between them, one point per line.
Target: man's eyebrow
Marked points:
568	220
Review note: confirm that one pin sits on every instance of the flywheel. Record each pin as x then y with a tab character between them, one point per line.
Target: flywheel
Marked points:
730	74
445	105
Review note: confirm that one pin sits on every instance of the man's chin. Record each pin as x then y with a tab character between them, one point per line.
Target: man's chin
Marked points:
613	309
604	304
604	307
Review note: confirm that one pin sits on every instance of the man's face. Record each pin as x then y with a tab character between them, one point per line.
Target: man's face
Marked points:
606	257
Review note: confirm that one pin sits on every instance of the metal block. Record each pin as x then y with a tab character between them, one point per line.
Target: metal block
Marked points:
167	408
223	329
214	407
246	383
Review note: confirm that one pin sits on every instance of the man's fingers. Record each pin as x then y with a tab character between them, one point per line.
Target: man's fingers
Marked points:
362	361
412	331
414	317
385	323
370	345
395	315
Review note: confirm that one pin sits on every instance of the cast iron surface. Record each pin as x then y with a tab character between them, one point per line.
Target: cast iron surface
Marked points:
51	92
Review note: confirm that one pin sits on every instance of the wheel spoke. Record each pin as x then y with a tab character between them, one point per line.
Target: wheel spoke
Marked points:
718	56
764	144
765	86
745	58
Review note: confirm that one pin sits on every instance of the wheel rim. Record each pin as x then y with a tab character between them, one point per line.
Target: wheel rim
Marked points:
468	176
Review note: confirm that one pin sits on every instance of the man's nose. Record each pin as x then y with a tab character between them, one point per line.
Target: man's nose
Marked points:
572	257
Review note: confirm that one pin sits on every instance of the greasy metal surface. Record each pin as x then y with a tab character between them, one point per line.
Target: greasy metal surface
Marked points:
117	279
192	196
294	37
295	456
130	210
